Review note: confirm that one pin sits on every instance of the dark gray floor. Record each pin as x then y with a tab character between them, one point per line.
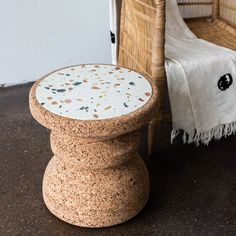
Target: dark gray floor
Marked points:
193	190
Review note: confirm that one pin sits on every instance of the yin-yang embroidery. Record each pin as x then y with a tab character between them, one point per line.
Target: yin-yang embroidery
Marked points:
225	82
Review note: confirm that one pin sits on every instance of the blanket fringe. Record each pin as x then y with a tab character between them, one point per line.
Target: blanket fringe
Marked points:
197	137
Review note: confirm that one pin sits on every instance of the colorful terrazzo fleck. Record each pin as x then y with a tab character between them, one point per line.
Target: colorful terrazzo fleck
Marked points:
89	92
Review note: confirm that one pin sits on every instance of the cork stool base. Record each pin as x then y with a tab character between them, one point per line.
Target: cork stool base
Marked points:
94	197
96	178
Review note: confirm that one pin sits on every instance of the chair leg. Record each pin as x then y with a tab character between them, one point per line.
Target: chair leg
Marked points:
153	136
159	131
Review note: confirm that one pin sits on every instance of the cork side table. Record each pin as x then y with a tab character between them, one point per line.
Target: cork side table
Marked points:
95	178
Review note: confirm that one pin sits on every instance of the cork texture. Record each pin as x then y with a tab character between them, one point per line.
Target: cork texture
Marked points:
95	178
96	198
89	154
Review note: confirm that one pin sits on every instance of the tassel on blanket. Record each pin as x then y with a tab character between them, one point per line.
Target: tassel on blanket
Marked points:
205	137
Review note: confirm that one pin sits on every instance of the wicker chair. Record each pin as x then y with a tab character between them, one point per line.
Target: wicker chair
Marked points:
142	40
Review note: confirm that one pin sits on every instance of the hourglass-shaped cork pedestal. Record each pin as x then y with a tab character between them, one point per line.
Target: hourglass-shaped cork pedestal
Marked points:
96	178
98	183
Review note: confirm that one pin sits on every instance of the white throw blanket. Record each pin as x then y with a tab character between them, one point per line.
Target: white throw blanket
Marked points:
200	82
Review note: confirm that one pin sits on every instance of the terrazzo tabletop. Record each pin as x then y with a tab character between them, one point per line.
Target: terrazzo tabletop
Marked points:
90	92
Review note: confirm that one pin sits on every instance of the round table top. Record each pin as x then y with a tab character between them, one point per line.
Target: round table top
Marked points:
91	92
94	101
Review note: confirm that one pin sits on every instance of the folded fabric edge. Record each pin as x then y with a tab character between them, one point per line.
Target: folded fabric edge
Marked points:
197	137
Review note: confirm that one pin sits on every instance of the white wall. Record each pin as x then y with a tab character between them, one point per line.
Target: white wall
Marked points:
38	36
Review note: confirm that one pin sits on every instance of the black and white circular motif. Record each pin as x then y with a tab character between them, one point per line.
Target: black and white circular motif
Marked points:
225	82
